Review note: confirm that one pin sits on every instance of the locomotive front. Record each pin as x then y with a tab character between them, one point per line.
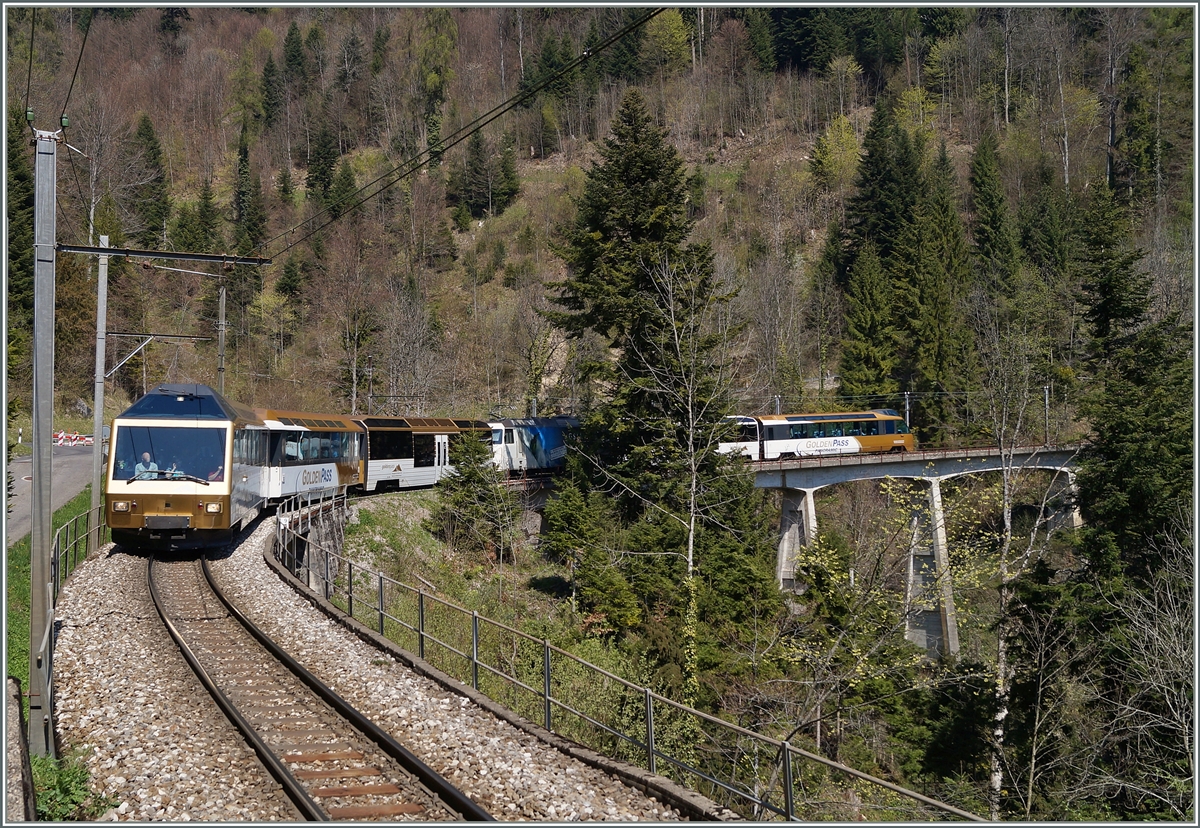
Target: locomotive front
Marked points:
172	482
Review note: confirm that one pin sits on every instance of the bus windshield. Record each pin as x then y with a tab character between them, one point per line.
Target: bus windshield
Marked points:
168	452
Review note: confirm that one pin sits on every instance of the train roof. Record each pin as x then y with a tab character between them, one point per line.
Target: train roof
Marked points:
279	420
187	401
439	424
875	414
540	422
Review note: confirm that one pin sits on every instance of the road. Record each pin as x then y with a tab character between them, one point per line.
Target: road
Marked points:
71	471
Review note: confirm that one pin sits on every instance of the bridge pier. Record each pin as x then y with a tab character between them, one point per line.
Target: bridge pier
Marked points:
930	588
797	527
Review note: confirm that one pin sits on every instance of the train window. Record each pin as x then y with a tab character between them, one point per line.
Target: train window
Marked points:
800	431
391	445
889	426
835	430
748	433
509	436
423	450
497	436
192	451
868	428
901	427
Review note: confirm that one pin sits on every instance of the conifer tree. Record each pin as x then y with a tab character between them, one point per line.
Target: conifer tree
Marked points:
508	182
295	62
632	214
474	512
477	176
995	243
152	201
1136	475
342	190
932	264
20	220
888	185
321	163
272	92
869	354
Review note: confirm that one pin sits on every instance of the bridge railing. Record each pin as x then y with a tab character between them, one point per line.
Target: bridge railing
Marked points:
755	775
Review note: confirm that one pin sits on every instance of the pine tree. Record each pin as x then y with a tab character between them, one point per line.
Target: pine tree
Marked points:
342	190
932	264
474	512
295	63
208	220
151	199
20	220
508	182
1117	294
888	185
869	352
272	92
995	243
291	281
477	184
321	161
241	186
632	213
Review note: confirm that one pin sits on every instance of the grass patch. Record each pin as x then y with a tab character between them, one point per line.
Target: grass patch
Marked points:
63	792
17	620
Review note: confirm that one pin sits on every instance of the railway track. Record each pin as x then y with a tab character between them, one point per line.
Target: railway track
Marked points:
333	763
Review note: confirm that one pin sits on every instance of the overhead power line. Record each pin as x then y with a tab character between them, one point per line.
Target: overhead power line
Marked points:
407	168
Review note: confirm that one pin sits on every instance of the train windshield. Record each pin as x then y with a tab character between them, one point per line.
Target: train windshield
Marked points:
168	452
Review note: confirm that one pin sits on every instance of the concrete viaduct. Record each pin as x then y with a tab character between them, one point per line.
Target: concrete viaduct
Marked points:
800	478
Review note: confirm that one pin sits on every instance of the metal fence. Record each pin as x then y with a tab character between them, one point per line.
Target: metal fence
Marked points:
72	543
756	776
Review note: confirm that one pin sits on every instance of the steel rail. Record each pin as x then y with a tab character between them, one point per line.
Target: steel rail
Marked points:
451	796
291	786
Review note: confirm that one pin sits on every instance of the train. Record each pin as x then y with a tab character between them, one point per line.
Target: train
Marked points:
189	468
787	436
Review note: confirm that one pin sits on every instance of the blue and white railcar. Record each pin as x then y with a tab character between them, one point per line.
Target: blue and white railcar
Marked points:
531	445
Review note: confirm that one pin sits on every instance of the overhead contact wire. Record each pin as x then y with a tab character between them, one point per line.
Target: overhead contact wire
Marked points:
29	72
407	168
78	61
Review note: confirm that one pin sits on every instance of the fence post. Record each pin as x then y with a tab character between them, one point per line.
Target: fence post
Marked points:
421	623
475	649
651	765
546	680
380	576
788	804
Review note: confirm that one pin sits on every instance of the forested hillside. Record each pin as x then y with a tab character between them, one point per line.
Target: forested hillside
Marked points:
981	217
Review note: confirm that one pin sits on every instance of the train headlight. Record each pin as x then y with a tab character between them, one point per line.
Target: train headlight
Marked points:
120	505
213	508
